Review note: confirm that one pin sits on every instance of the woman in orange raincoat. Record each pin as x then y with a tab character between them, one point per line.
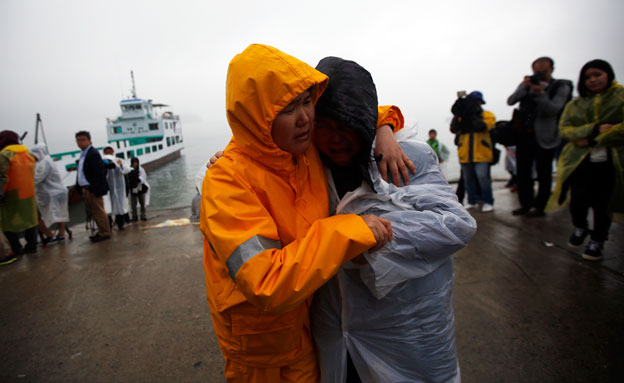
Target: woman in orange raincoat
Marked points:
268	244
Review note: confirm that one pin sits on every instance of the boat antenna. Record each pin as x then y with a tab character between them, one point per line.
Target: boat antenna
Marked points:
133	87
38	126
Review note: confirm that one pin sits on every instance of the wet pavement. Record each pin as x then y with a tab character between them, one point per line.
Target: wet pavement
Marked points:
133	309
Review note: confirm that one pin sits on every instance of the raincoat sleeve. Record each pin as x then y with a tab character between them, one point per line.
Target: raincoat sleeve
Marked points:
42	170
615	135
568	130
390	115
243	235
428	222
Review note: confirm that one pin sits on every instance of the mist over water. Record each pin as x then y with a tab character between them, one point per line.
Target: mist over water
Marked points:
173	184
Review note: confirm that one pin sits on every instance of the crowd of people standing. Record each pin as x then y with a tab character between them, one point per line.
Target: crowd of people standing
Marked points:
583	135
34	198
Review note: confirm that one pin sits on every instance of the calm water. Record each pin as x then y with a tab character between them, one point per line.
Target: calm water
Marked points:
173	184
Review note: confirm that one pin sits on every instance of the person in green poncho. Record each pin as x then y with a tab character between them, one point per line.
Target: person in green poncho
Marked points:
591	165
439	148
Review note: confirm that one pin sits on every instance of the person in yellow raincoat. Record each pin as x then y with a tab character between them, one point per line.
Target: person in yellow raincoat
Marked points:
591	164
268	244
18	207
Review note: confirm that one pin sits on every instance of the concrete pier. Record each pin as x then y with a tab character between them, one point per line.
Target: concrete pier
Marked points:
133	309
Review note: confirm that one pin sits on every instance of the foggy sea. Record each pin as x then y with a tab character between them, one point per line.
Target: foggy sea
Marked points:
173	184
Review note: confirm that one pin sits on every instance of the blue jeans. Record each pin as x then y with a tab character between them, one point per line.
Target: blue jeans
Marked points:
478	172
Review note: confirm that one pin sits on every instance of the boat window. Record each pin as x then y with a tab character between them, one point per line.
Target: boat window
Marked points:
130	153
120	155
160	147
147	150
116	129
117	144
139	152
168	141
154	148
153	126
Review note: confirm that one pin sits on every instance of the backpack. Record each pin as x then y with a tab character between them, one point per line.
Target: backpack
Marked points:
504	133
467	116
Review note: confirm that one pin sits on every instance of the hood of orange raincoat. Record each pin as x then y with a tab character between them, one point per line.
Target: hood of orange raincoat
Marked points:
261	81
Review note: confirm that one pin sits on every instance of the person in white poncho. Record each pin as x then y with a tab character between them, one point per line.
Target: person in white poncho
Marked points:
51	195
387	316
115	171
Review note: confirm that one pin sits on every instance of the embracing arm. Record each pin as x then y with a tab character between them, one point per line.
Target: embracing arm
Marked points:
394	161
243	236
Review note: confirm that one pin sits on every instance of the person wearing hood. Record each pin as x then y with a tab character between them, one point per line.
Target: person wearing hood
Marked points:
268	243
591	164
51	195
115	172
387	315
139	189
18	205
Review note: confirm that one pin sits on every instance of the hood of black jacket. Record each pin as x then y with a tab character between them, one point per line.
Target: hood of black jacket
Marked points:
351	98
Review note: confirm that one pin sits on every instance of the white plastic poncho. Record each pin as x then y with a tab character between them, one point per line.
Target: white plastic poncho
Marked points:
50	191
395	315
117	186
143	181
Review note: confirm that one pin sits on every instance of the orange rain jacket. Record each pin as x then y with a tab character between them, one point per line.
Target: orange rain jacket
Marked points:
17	182
268	244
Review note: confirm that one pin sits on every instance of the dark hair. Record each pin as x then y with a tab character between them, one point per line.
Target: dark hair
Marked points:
84	133
8	137
544	58
596	64
433	131
134	159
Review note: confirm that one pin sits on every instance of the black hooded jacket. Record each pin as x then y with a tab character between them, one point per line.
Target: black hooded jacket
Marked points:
350	98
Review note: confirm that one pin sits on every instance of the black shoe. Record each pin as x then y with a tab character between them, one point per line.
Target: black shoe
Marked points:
578	237
520	211
30	250
45	240
593	251
98	238
535	213
143	218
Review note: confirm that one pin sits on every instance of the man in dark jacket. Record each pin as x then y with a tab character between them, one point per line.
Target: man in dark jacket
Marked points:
91	180
542	99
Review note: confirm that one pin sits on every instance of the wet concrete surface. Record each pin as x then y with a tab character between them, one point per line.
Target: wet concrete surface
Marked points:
133	309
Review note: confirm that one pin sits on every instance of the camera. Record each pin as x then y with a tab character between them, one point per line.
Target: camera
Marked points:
537	78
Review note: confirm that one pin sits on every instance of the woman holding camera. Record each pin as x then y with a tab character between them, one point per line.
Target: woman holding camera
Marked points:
591	164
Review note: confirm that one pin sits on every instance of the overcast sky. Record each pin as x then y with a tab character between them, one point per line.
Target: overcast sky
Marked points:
71	60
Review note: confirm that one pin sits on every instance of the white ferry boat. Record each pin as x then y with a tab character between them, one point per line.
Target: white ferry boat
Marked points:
140	131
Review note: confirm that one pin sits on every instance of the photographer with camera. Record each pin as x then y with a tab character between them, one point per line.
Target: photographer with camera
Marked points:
472	124
542	99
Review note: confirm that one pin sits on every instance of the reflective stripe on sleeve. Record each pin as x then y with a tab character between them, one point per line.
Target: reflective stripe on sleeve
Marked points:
247	250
